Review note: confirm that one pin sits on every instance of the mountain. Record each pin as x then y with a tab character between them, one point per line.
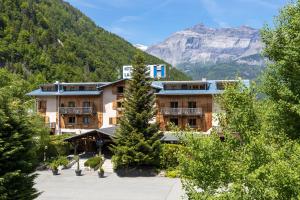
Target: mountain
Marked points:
51	40
141	47
212	52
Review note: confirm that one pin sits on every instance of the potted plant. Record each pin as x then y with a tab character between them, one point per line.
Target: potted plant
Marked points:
101	172
78	170
54	167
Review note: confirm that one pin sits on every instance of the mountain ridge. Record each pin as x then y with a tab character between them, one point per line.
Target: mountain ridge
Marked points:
200	46
56	41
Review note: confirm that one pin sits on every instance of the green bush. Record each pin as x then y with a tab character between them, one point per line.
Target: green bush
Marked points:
169	156
62	160
94	162
58	147
59	161
173	173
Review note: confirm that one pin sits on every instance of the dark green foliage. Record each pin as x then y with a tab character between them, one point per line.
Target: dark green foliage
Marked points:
17	147
257	165
169	155
94	162
240	115
57	146
137	142
52	40
282	77
221	71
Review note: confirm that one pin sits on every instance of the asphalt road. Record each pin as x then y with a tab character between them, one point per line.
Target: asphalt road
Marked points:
68	186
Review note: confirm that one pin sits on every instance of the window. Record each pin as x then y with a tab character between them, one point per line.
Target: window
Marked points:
42	104
71	120
120	89
174	121
71	104
86	120
192	122
81	88
192	104
112	121
62	105
72	88
119	104
184	87
195	87
86	104
174	104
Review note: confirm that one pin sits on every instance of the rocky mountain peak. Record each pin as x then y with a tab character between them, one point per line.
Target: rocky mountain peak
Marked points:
201	44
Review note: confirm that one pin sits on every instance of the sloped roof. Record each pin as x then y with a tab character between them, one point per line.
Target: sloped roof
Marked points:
39	92
212	89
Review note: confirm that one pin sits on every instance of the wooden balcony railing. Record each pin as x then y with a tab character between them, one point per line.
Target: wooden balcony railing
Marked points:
182	111
76	110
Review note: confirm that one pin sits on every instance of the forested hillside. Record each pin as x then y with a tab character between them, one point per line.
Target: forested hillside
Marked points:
47	40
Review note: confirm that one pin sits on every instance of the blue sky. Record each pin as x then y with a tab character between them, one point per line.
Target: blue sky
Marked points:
151	21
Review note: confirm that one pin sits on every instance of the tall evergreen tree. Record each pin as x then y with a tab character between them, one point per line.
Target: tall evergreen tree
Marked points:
17	148
282	76
138	141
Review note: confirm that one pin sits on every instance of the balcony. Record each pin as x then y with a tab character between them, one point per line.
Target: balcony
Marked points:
76	110
182	111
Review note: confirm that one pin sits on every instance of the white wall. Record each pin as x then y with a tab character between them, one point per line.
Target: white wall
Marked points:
108	112
216	109
76	131
51	109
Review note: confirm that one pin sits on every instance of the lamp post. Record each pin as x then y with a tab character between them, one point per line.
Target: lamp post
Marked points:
45	149
99	144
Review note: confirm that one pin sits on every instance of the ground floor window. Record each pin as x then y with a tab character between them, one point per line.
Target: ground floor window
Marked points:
174	121
192	122
71	120
86	120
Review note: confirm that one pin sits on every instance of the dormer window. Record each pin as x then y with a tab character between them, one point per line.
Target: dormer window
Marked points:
81	88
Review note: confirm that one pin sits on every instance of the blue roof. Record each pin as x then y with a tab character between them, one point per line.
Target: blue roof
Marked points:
157	84
212	89
39	92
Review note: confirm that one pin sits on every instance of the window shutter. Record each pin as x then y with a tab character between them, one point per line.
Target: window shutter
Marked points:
114	105
114	120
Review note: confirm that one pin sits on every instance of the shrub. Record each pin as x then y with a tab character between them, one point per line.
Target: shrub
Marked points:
173	173
59	161
62	160
169	156
58	147
94	162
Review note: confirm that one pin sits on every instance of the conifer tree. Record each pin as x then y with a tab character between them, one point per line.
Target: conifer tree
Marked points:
17	148
138	141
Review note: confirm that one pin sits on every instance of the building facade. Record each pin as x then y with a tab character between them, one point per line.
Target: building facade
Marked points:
82	107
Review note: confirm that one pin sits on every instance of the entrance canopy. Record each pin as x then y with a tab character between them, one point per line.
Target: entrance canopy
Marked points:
102	133
107	134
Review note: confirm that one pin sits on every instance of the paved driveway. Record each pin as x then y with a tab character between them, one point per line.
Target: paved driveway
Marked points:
89	186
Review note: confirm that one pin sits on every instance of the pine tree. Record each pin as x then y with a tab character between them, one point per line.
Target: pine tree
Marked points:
137	142
17	147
